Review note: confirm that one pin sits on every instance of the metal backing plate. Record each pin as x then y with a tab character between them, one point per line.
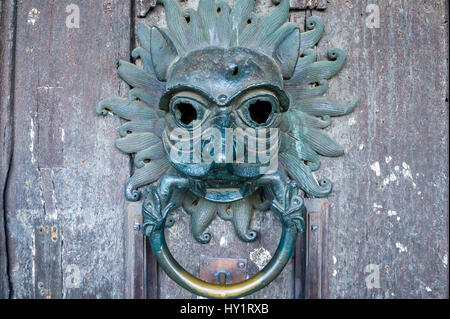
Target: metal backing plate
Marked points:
210	268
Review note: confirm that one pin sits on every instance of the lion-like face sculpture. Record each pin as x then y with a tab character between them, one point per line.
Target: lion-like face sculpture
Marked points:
226	101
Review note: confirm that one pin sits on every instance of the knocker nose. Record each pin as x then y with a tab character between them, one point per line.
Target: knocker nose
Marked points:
214	142
215	146
223	118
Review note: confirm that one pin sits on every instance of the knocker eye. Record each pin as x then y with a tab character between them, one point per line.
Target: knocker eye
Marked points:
258	111
188	111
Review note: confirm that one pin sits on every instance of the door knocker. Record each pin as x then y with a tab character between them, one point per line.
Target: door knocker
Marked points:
226	116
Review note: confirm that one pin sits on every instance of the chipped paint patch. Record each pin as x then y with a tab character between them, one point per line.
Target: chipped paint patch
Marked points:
406	171
32	135
376	168
223	242
392	177
392	213
261	257
377	208
33	16
401	247
351	121
33	255
46	88
375	205
387	159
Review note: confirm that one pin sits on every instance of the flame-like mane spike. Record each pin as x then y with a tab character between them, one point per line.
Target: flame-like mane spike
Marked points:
213	24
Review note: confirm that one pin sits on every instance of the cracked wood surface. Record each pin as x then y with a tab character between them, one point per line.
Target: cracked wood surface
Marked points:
65	207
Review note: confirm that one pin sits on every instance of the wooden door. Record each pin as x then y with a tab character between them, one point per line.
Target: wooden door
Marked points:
67	231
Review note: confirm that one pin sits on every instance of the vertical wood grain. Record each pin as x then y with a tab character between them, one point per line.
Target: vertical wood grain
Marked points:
66	176
7	53
394	218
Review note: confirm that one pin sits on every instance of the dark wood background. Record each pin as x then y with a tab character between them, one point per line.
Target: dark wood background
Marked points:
66	230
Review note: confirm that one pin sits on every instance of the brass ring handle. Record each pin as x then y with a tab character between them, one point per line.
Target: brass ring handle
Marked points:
176	272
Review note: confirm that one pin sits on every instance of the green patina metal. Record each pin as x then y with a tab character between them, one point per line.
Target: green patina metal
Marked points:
222	69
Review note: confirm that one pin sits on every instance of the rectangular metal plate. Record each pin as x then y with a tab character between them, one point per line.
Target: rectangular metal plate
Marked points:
235	266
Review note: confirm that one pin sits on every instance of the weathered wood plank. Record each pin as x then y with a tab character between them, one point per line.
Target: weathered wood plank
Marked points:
50	140
7	52
388	225
66	172
48	283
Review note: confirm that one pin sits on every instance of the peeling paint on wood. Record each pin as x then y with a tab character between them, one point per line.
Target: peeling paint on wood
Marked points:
399	73
143	7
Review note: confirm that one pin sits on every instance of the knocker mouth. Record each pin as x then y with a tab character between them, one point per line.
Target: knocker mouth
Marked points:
221	177
219	182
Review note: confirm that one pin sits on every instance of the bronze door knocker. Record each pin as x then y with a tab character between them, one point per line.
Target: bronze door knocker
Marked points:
226	116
